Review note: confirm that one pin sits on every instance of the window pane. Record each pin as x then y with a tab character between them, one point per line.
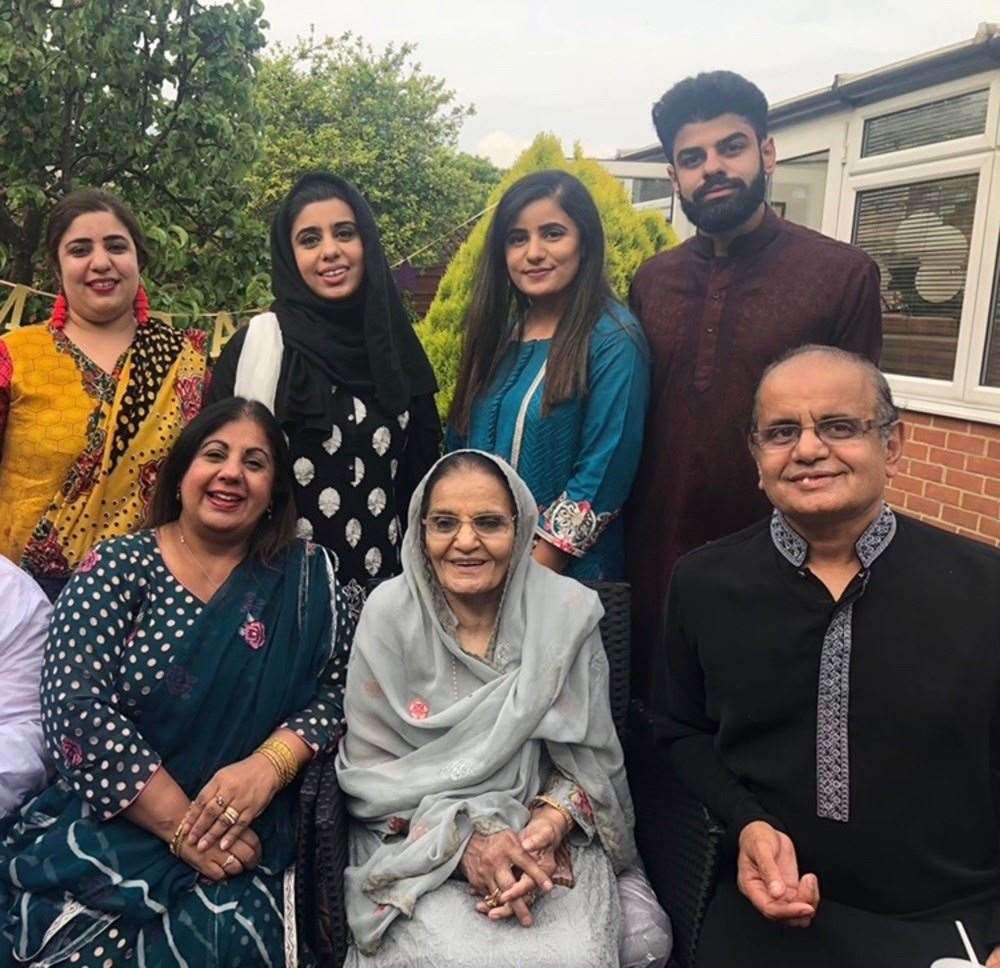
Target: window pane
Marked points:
955	117
990	377
798	188
919	235
649	189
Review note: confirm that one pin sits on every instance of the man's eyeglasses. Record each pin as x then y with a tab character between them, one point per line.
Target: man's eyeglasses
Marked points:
833	430
485	525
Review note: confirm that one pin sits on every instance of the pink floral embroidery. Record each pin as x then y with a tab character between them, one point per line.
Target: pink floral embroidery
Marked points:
381	908
311	548
253	632
417	831
398	825
190	389
71	752
418	709
581	801
89	562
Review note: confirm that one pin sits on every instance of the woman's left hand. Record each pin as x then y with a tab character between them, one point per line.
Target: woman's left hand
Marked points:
247	786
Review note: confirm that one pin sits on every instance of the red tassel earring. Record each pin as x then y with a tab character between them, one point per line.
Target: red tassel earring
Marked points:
141	306
60	311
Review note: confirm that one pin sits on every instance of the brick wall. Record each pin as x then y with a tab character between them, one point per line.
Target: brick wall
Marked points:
950	475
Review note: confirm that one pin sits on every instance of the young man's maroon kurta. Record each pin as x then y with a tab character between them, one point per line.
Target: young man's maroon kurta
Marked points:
713	325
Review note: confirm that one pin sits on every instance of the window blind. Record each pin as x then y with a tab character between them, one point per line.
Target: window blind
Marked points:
926	124
919	236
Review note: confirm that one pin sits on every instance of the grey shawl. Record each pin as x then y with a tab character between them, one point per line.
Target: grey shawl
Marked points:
441	744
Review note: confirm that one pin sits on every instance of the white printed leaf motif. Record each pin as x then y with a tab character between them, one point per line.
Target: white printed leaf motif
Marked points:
303	470
381	440
373	561
360	411
376	502
329	501
353	532
359	471
394	531
304	529
332	444
404	419
393	467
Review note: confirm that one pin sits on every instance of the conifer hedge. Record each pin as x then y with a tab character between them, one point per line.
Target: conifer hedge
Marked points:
631	238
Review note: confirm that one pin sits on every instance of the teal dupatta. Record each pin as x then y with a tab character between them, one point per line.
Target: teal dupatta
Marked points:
250	661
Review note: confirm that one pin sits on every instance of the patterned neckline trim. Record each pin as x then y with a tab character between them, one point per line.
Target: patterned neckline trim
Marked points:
875	539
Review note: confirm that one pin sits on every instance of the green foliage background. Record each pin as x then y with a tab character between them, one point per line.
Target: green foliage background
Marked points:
632	237
172	105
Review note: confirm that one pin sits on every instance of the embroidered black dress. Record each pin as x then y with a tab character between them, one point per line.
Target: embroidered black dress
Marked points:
865	728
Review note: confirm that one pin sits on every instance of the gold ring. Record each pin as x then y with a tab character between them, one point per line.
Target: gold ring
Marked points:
225	863
220	800
230	816
492	900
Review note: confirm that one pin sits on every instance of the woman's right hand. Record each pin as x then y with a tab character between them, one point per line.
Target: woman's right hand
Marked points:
214	862
489	865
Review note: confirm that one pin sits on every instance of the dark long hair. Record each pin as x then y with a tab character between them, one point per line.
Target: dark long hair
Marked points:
495	299
275	530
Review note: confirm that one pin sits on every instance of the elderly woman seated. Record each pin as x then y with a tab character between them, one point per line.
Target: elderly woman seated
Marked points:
481	765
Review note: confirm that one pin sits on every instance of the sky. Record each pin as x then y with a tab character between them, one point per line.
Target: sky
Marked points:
589	70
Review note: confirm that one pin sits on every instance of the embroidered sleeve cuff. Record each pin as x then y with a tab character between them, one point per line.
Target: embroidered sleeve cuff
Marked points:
573	526
567	794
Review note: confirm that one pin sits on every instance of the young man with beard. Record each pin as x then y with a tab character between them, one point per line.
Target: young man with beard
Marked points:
716	310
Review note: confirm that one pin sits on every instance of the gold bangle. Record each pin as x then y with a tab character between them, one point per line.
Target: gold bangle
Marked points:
281	757
556	805
276	764
175	841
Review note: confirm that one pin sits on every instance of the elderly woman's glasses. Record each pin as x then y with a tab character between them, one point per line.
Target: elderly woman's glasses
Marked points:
485	525
833	430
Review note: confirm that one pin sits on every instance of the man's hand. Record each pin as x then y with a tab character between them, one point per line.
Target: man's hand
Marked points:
767	874
994	959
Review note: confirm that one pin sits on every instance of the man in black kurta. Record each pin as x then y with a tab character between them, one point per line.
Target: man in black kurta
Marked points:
831	692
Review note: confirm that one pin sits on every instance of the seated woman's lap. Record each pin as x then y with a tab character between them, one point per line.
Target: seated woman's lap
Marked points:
578	927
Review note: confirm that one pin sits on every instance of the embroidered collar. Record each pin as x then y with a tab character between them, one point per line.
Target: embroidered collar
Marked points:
876	538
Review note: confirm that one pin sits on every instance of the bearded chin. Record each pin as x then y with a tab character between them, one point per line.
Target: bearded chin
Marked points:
727	214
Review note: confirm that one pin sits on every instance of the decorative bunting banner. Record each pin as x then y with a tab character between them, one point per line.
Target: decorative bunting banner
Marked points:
223	325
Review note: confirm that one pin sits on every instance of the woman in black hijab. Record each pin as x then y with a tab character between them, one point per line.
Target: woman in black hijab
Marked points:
339	365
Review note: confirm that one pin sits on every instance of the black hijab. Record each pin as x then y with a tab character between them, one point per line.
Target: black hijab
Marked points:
363	343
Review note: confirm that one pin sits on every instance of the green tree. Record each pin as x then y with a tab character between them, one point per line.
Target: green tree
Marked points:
631	238
152	99
375	118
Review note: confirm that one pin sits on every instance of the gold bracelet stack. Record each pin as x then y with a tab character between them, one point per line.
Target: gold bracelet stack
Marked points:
175	841
281	757
556	805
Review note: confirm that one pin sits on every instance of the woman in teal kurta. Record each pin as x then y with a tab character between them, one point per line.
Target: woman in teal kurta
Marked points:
140	676
559	386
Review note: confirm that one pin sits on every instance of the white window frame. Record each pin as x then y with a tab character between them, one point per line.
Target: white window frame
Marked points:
962	396
939	150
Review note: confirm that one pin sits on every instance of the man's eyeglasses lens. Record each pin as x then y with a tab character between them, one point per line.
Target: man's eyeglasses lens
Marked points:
485	525
832	431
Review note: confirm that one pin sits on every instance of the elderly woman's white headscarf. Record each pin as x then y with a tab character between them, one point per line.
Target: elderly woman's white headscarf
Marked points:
441	744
